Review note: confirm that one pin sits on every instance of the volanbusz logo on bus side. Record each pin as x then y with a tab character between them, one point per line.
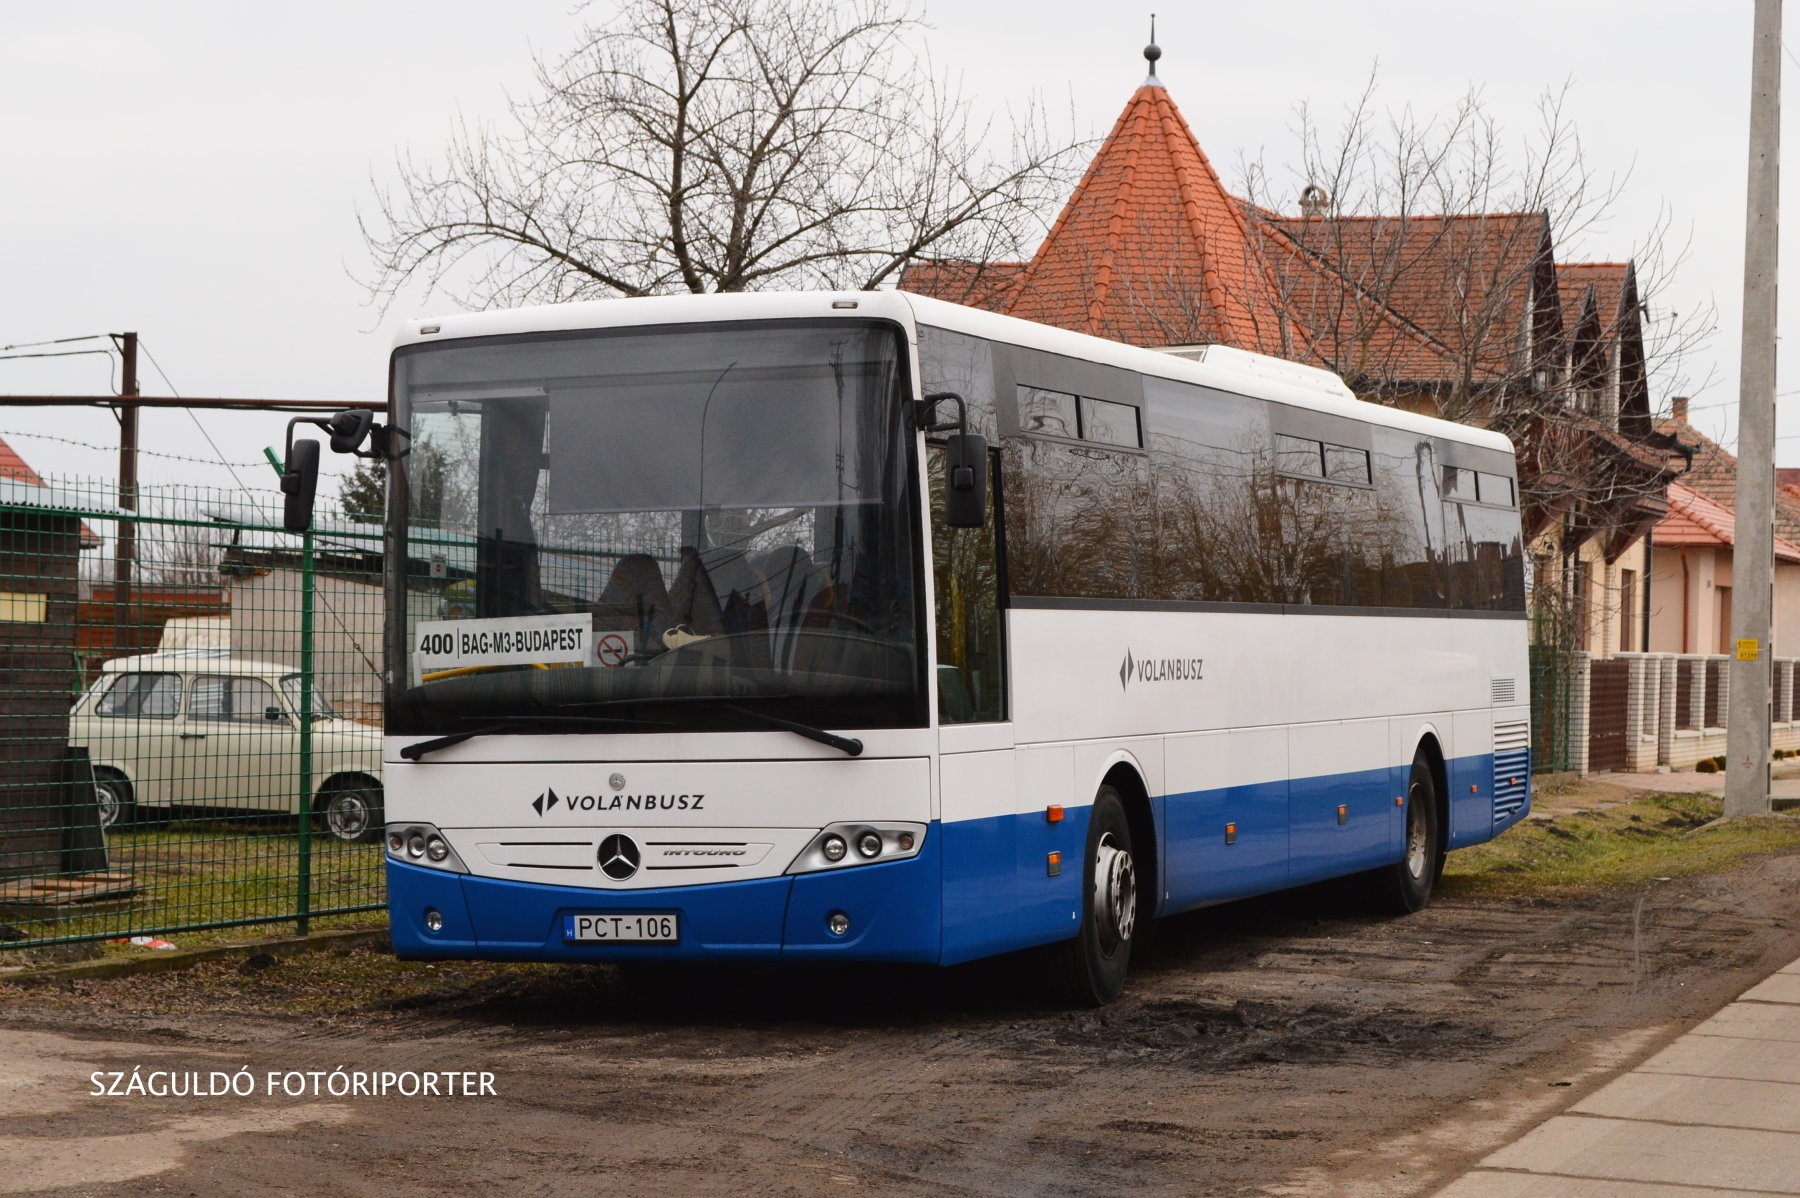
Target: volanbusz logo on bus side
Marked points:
1159	669
549	799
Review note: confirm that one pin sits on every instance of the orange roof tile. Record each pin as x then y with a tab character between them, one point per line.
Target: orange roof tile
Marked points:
13	466
1694	519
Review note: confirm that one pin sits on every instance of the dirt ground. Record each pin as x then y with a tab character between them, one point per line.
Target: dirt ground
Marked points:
1293	1045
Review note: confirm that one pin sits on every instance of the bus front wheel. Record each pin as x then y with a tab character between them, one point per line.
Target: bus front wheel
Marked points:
1089	969
1406	887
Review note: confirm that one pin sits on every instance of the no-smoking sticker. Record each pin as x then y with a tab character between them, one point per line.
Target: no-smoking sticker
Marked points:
612	648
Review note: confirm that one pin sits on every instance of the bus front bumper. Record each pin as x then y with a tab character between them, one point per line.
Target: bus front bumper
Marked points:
893	910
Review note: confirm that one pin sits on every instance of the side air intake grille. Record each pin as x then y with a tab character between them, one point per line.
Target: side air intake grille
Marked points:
1512	767
1501	692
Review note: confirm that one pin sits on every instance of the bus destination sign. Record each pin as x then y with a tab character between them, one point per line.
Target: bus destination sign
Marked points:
445	648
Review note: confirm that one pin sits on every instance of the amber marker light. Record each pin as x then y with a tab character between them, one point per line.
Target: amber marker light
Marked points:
1053	865
1399	800
1053	813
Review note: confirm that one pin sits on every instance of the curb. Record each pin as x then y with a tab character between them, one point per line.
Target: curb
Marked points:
317	942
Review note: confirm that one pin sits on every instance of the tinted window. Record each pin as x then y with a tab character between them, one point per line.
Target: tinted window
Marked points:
1226	509
150	696
1047	413
1108	423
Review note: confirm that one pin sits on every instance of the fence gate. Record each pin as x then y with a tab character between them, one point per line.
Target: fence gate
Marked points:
190	722
1608	700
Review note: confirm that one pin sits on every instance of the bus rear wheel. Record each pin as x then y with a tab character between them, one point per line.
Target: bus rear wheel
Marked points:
1089	969
1406	886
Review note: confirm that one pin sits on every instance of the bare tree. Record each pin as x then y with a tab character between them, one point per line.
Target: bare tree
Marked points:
719	145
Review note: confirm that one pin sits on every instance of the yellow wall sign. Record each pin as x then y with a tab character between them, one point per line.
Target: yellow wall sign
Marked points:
1746	650
22	607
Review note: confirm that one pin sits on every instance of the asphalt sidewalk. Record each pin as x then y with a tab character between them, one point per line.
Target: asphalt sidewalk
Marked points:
1715	1113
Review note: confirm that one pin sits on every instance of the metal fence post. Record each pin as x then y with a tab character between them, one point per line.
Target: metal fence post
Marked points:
303	903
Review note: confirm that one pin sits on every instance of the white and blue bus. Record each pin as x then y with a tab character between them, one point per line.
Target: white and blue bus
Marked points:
863	626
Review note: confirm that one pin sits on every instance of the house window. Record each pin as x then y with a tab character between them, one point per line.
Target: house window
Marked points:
1627	607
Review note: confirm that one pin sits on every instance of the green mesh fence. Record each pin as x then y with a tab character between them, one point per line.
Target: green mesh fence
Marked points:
190	721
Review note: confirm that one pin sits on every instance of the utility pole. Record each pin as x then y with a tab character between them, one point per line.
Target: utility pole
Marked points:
1753	555
125	544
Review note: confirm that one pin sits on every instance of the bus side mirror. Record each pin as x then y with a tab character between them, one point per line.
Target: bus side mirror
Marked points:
965	481
299	483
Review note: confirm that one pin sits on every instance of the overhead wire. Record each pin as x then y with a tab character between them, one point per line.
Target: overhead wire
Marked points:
172	391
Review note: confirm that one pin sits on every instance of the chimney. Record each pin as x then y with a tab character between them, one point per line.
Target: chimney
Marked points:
1680	403
1314	200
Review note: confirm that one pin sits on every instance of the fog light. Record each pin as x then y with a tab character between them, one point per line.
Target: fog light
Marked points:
434	922
838	923
869	844
906	841
834	849
415	846
436	849
396	843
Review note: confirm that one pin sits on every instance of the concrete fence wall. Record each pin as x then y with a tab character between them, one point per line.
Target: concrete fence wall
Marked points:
1667	721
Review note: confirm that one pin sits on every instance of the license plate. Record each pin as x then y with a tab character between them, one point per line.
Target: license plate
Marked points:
622	929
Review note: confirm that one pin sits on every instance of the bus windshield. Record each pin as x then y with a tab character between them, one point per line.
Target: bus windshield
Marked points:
656	525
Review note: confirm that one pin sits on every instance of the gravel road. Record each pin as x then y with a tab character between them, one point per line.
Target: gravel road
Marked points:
1288	1045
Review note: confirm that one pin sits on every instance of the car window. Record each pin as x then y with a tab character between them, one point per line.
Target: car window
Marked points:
237	700
150	696
321	706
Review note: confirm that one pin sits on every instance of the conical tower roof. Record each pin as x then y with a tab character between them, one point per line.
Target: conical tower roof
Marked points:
1150	248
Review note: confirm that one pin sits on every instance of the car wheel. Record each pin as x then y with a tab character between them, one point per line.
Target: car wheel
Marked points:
1405	887
1089	969
353	815
114	797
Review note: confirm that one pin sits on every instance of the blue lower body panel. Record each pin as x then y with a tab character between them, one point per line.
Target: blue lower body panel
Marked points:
893	910
978	887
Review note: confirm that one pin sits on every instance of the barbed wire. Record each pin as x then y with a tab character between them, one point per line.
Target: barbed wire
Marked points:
151	453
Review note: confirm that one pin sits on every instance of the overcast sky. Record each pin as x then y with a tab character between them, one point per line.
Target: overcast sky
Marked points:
193	171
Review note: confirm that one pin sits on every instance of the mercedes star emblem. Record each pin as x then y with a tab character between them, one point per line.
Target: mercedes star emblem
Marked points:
619	857
617	781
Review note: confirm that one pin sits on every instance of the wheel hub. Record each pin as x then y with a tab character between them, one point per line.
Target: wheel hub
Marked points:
1115	893
348	816
1417	851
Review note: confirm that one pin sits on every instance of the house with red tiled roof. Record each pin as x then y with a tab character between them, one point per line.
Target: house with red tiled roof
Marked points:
1691	549
18	469
1466	316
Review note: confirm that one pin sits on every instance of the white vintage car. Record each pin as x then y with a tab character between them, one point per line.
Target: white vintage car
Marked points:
199	728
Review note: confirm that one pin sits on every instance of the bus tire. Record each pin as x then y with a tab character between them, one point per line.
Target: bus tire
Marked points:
115	798
1088	970
1405	887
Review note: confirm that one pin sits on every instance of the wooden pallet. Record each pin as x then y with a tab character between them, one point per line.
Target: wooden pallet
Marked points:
68	895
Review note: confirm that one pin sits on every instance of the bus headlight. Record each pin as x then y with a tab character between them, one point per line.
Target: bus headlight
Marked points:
422	844
882	842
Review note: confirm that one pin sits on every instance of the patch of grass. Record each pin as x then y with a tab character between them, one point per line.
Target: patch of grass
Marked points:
211	870
1647	837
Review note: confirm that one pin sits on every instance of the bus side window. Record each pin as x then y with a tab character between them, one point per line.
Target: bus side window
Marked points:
966	566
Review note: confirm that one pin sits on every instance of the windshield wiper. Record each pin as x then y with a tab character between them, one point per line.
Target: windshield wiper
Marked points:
846	744
849	744
413	752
